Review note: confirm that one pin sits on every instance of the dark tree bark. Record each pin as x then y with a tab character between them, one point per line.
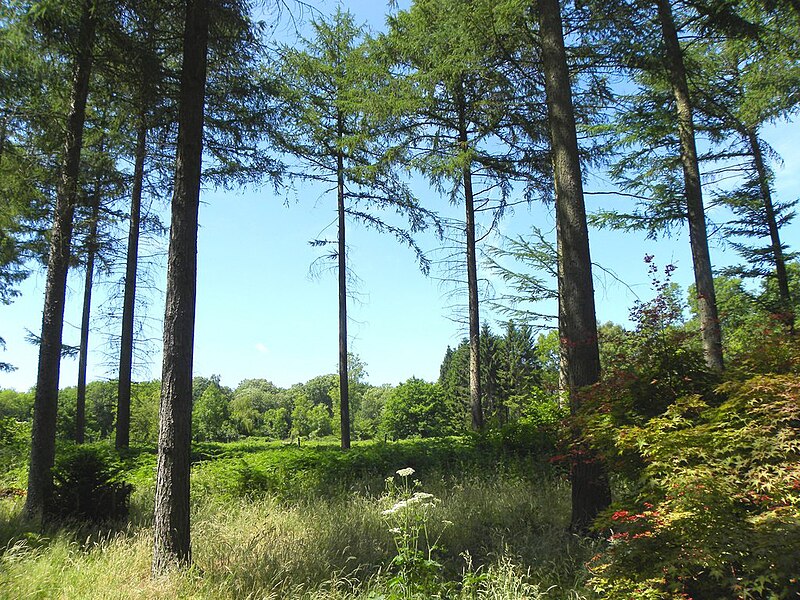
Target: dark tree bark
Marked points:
578	322
787	308
172	544
695	213
122	438
475	393
45	408
83	357
344	384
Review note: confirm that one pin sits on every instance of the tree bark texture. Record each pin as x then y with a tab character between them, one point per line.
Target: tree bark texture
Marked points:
172	544
578	326
344	383
787	308
123	426
45	408
83	357
695	213
475	392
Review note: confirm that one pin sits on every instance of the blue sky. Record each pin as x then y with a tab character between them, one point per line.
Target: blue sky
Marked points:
261	315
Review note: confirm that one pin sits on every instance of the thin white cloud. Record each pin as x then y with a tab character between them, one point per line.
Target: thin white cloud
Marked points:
262	348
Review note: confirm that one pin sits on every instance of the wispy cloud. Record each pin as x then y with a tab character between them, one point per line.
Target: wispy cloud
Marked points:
262	348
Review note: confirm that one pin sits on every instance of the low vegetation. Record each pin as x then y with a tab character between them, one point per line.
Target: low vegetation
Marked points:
272	520
704	468
707	506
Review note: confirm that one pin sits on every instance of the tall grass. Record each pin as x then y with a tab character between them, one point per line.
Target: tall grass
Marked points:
507	540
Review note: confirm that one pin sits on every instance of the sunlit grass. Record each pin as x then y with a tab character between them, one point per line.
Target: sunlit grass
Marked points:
508	540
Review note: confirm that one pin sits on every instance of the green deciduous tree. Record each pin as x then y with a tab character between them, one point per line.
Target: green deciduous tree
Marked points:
144	412
211	415
259	407
309	419
369	415
417	408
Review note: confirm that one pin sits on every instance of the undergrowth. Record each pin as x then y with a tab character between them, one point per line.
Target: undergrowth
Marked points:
308	523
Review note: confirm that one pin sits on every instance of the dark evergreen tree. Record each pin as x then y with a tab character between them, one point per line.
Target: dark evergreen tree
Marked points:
327	120
172	545
510	374
40	480
576	310
447	50
731	75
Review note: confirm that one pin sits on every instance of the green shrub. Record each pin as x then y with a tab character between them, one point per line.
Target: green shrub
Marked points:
645	371
88	485
536	434
718	513
323	469
14	443
767	347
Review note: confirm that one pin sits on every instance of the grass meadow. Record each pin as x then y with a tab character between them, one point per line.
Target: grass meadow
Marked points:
277	521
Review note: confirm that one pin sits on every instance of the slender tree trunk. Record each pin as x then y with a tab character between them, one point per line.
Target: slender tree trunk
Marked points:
475	392
563	358
344	384
3	134
578	322
83	357
172	544
695	213
122	439
45	408
787	308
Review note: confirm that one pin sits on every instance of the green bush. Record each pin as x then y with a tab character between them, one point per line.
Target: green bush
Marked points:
767	347
315	469
537	433
88	485
718	511
14	443
645	371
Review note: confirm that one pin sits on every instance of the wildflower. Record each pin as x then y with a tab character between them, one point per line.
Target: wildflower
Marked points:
397	507
422	496
395	531
405	472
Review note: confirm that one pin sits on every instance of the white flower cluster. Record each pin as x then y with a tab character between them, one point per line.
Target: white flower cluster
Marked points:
407	472
419	498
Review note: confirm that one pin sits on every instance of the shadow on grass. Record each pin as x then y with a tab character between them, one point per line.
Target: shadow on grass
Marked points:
37	534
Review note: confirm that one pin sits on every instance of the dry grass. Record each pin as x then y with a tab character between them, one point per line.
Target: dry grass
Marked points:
510	529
